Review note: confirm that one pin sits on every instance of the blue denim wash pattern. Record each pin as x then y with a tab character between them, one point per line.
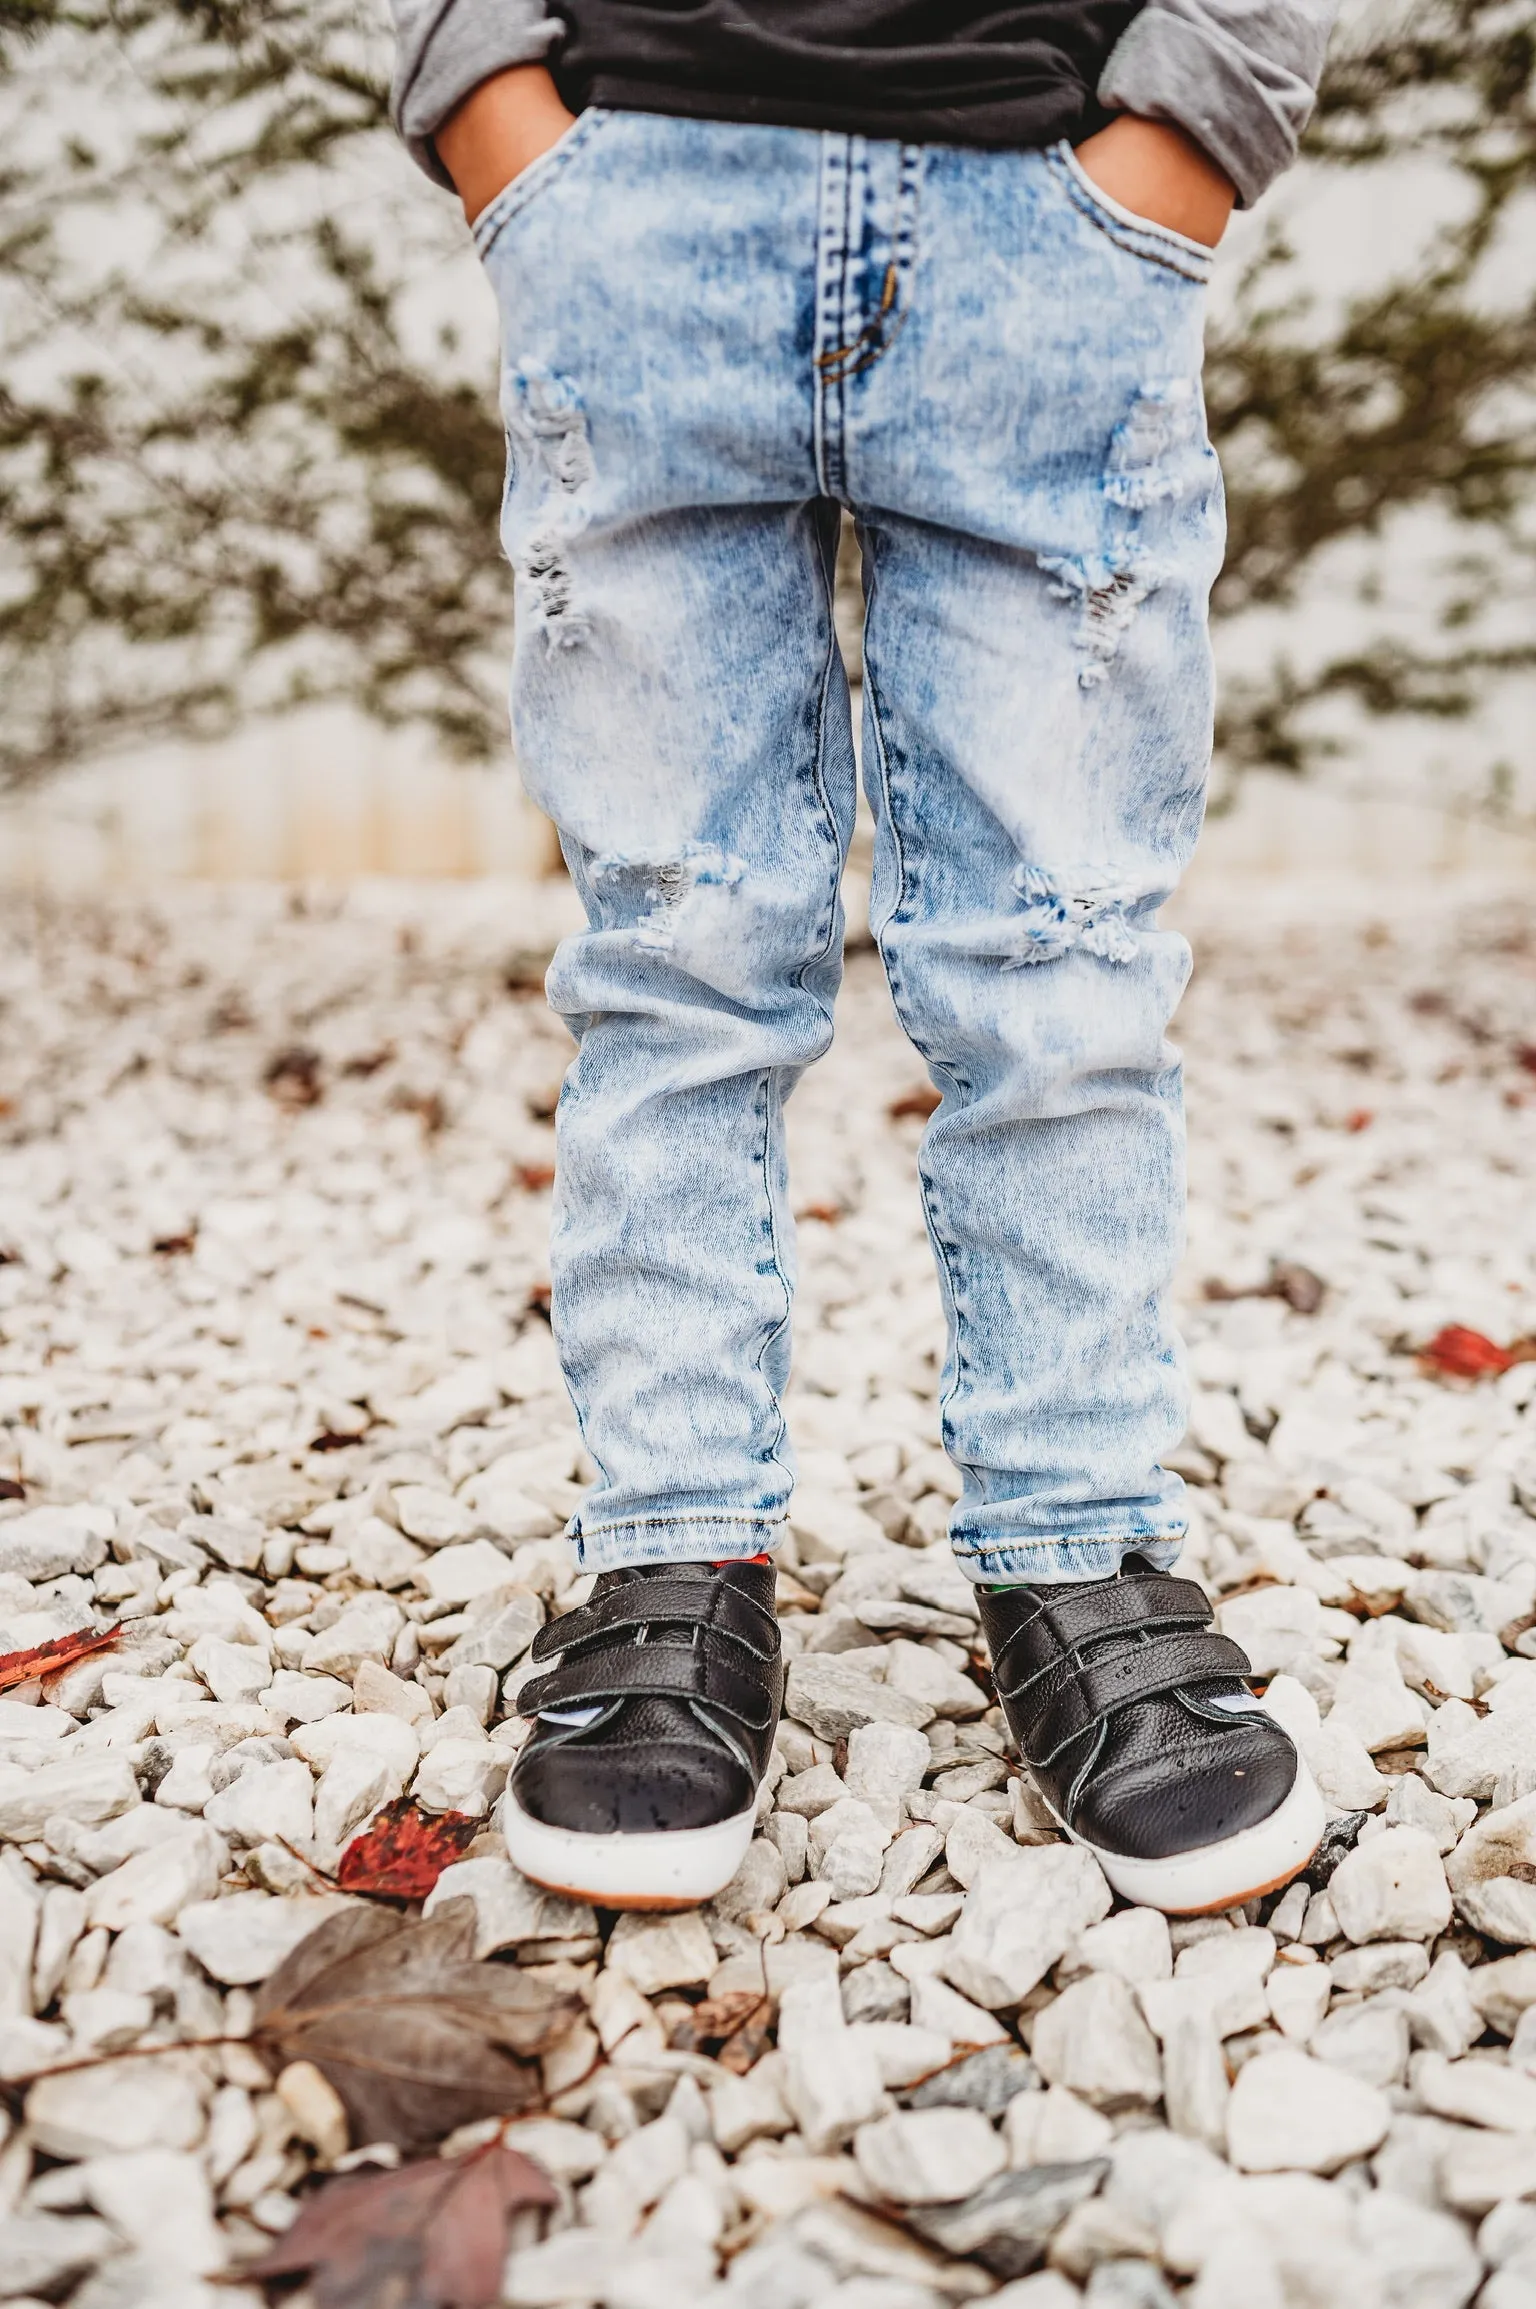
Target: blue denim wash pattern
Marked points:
714	337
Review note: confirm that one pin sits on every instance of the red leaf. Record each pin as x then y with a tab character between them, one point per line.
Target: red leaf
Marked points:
1460	1353
403	1851
434	2234
914	1105
1360	1119
47	1659
1526	1056
534	1177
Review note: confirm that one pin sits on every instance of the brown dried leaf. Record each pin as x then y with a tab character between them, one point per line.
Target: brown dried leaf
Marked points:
416	2037
431	2235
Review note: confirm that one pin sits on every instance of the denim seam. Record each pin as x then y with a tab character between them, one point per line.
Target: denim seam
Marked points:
875	339
1021	1543
765	1520
941	1246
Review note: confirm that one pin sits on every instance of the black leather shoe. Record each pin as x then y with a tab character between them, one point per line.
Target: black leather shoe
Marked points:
1138	1728
638	1787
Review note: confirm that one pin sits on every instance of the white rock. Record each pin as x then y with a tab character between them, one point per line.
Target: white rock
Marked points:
462	1776
234	1673
833	1698
153	1886
1414	1804
1475	2092
1196	2088
244	1937
389	1740
40	2251
847	1845
928	2156
119	2105
939	2009
301	1699
1053	2128
459	1574
1424	2259
919	1673
366	1630
886	1760
831	2077
380	1556
1135	1945
45	1542
1093	2040
1298	1998
379	1691
1440	2012
657	1952
435	1518
903	2053
1373	1700
508	1908
1391	1887
351	1788
828	1526
1021	1915
1368	2040
188	1785
93	1789
20	1911
159	2200
1290	2113
1488	1894
751	2107
269	1803
973	1839
1276	1626
499	1638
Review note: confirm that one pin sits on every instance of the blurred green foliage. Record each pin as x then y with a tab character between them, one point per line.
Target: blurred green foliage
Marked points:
239	472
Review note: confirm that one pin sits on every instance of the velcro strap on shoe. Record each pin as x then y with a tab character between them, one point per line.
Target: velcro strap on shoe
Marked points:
716	1606
1084	1692
1117	1607
652	1671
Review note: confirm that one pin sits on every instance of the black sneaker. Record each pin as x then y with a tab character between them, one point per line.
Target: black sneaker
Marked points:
1139	1730
638	1787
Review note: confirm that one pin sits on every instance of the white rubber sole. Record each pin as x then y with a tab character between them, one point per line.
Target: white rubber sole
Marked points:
1216	1876
676	1868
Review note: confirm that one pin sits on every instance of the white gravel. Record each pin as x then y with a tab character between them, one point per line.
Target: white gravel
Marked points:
276	1390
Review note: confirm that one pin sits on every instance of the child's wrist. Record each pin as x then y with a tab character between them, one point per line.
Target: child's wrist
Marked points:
499	130
1158	171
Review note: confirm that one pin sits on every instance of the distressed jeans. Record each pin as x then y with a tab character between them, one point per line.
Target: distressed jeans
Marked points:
714	338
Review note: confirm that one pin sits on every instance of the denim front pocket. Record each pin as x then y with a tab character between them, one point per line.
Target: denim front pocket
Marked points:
1139	236
535	179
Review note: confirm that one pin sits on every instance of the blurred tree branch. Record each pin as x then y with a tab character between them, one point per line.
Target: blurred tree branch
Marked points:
234	476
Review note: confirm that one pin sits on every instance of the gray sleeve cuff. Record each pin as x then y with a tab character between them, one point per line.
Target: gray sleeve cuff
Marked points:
1239	76
445	48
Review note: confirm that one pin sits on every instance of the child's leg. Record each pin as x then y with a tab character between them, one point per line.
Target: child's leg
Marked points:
681	712
1041	513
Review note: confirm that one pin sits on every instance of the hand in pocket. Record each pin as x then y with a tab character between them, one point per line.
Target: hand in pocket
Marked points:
499	130
1157	172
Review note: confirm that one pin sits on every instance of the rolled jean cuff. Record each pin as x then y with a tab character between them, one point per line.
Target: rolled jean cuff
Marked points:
702	1538
1061	1559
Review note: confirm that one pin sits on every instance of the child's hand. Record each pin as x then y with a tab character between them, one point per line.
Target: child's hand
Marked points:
498	129
1156	171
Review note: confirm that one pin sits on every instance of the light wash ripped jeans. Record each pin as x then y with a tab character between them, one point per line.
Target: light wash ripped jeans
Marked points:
714	337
